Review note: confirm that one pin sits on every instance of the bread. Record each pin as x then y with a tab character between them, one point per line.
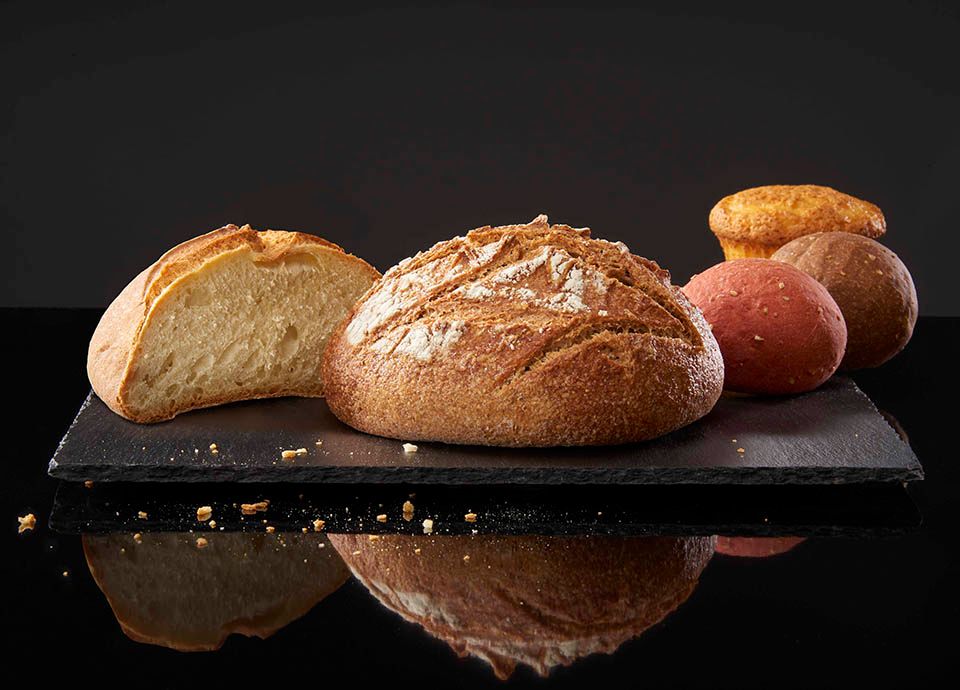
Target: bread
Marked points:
165	591
539	601
779	330
523	335
231	315
870	284
756	222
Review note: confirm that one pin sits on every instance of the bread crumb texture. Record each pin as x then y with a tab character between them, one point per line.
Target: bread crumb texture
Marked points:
523	335
234	314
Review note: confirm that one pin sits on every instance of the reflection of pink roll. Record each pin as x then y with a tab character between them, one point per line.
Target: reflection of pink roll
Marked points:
756	547
540	601
166	591
779	330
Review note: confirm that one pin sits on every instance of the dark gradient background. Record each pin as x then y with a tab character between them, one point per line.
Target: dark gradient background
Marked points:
128	127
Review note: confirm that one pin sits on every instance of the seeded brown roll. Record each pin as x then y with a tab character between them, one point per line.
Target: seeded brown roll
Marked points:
523	335
756	222
543	601
870	284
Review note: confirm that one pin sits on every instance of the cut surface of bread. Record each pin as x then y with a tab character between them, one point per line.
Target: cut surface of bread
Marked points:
232	315
166	591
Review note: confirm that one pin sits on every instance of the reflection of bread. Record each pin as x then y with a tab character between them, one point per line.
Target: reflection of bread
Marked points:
756	547
540	601
756	222
523	335
231	315
165	591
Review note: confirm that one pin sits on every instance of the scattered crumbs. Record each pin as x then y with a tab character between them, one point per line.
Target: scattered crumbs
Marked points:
602	312
741	451
733	440
733	293
879	272
428	526
373	537
599	513
785	298
196	451
288	454
417	551
382	517
409	448
142	515
271	529
28	521
318	443
88	484
304	530
213	524
758	338
466	559
355	553
407	511
204	513
473	531
66	573
122	550
843	273
213	446
764	310
780	285
253	508
201	543
322	545
318	525
470	517
138	537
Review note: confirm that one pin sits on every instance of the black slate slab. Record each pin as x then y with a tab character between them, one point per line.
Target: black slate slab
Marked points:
629	510
833	435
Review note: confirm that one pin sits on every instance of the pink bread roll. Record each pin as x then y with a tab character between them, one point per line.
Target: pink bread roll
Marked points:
778	329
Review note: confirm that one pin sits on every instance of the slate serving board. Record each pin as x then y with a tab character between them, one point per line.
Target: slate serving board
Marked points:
833	435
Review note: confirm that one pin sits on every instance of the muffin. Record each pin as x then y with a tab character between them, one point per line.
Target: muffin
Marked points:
869	283
779	330
756	222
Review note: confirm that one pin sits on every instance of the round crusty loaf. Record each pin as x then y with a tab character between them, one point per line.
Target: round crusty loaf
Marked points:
756	222
166	591
542	601
523	335
234	314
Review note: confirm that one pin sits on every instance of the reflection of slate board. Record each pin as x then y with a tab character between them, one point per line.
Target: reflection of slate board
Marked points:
833	435
850	510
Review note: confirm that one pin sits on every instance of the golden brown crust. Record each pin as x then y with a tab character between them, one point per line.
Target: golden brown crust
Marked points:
773	215
523	335
542	601
115	343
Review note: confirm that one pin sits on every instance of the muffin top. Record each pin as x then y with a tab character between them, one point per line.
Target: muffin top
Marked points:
776	214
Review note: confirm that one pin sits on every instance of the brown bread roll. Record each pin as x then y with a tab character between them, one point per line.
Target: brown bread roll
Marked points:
523	335
869	283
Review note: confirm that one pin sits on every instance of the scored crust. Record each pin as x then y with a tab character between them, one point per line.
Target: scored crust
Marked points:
523	335
115	344
775	214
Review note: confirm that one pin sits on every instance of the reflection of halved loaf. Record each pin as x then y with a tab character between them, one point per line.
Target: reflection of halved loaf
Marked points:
523	335
540	601
231	315
165	591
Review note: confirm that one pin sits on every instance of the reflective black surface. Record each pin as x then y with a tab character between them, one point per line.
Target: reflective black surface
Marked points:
873	606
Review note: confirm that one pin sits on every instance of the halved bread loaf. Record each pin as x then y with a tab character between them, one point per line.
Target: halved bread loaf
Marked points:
235	314
523	335
166	591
